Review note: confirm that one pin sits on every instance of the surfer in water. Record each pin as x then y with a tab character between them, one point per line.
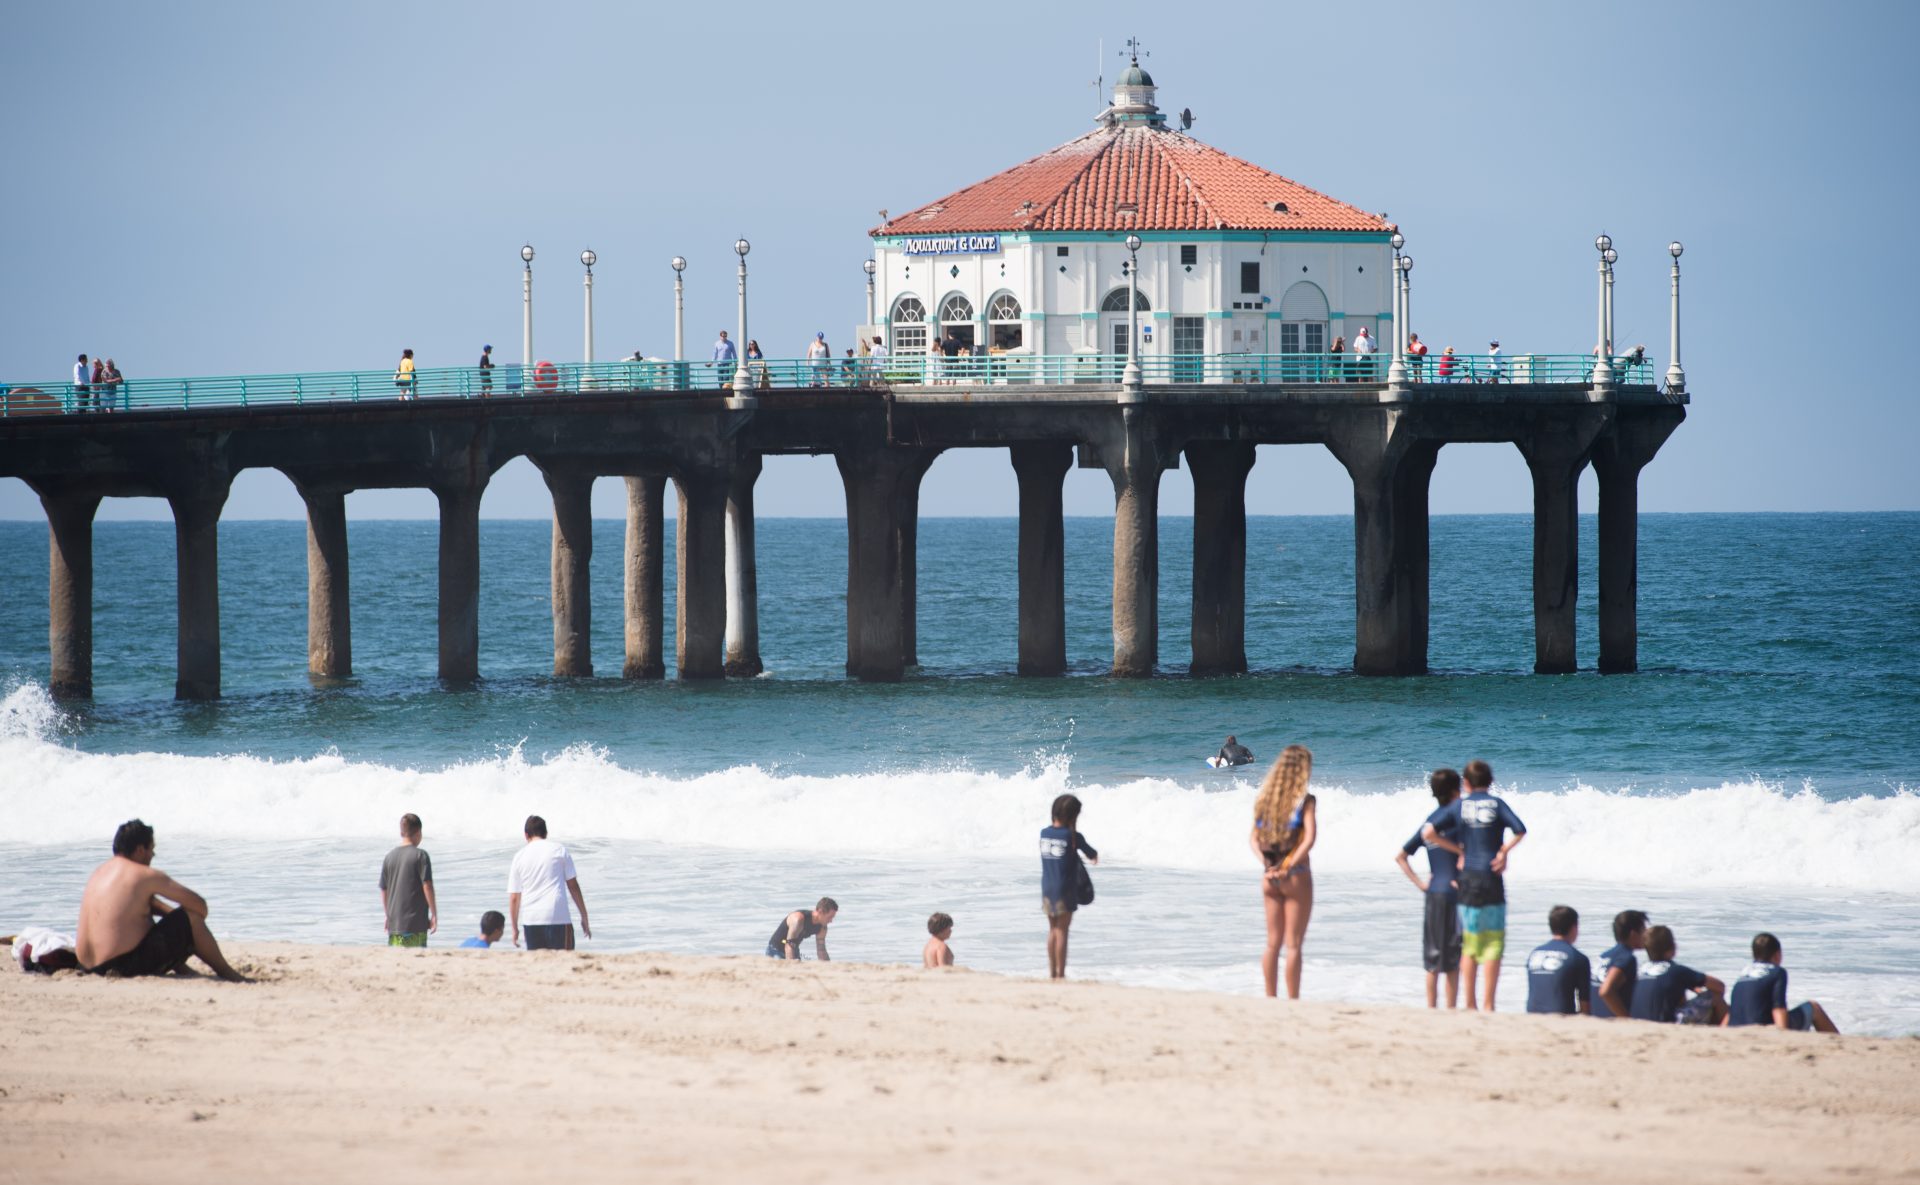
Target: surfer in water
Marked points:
1232	753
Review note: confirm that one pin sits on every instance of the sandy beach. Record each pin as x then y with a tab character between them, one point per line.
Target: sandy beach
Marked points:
376	1065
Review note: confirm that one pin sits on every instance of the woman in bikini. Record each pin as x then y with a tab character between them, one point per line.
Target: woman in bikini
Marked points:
1283	833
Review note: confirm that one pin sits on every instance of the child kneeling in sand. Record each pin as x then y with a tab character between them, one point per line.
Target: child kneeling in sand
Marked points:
937	953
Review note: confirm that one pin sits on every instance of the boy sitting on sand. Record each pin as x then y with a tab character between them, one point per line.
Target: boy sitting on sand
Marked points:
493	927
1660	993
1760	995
937	953
1559	977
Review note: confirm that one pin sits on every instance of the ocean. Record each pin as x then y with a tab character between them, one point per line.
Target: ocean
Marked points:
1761	772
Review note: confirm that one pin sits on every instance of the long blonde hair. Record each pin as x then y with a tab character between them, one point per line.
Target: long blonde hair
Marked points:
1281	793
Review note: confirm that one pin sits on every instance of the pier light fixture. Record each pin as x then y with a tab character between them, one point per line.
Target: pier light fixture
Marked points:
741	247
1611	256
679	264
1603	346
742	378
1398	240
587	259
1676	376
1131	378
869	267
526	309
1603	243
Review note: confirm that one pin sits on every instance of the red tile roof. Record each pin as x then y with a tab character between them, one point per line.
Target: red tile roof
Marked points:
1133	177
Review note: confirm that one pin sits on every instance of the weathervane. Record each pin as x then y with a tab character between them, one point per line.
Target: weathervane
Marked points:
1134	51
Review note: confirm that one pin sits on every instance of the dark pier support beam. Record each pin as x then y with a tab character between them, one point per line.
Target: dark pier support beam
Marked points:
883	496
572	564
1556	452
1041	468
196	534
460	580
1219	471
70	591
1134	459
646	555
1618	456
700	548
329	620
1390	469
743	580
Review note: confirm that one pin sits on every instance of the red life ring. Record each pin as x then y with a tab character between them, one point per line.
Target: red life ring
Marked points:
546	376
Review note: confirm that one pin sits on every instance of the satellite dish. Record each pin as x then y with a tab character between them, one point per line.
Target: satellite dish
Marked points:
1186	118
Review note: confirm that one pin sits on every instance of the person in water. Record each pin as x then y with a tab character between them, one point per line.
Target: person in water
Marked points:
1062	878
937	953
1233	753
127	926
800	925
1284	831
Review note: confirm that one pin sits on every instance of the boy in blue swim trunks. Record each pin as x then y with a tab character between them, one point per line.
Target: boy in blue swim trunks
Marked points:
1760	995
1482	822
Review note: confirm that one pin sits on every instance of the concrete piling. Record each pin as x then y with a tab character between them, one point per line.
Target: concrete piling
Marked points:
70	592
572	565
1040	469
700	549
645	564
329	624
196	534
1219	471
743	581
460	581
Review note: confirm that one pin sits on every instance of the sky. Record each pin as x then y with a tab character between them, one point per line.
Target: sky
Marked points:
264	188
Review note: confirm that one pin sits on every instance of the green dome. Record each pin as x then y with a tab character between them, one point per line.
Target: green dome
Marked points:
1135	76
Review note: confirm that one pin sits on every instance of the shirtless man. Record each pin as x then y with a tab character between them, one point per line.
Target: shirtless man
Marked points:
118	933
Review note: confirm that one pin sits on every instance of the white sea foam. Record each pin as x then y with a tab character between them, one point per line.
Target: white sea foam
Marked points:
1750	833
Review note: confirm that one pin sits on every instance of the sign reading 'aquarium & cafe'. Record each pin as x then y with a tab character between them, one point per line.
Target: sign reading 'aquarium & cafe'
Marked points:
953	245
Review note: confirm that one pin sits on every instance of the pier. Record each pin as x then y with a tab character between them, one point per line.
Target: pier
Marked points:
884	424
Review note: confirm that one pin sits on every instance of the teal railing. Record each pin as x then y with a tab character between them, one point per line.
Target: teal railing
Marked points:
586	379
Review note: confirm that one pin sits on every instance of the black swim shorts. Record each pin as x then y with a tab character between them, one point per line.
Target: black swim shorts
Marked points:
163	951
1440	935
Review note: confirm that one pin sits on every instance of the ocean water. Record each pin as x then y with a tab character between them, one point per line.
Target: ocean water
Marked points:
1761	772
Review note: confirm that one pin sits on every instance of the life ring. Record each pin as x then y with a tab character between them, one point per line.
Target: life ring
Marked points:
546	376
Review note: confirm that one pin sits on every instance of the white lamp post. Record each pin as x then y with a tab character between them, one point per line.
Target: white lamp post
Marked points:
1612	257
869	267
587	259
1397	369
679	311
526	310
1406	306
742	380
1676	377
1131	377
1602	364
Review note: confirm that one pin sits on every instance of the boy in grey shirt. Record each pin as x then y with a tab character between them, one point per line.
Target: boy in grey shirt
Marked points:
406	889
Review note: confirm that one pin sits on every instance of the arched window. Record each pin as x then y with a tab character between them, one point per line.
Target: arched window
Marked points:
1116	302
955	308
909	323
1003	317
1303	319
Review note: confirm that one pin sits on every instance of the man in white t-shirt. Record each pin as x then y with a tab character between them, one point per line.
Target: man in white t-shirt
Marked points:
538	884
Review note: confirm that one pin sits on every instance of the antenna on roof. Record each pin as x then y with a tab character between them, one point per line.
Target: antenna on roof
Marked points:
1100	69
1186	119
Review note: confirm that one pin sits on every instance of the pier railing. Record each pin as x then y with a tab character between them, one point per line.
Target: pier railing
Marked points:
586	379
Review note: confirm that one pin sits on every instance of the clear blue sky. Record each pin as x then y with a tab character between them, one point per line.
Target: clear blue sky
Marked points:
207	189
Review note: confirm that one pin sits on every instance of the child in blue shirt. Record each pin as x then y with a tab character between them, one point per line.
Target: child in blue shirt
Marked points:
1661	992
1559	979
493	924
1063	879
1760	995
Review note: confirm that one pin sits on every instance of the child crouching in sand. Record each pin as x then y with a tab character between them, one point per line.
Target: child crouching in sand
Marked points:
937	953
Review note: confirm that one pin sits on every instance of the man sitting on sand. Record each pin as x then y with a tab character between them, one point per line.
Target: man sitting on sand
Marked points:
802	924
118	933
1614	974
493	927
937	953
1660	993
1559	979
1760	995
1233	753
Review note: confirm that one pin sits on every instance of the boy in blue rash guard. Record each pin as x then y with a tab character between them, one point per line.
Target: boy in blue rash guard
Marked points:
1660	994
1482	821
1440	932
1060	873
1559	979
1614	974
1760	995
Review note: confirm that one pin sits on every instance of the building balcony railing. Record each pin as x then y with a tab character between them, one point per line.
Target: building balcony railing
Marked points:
585	379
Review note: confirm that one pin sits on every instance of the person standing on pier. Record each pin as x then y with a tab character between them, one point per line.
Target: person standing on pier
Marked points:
81	389
1496	366
406	889
819	358
403	374
724	356
1339	352
538	884
1416	356
1285	827
486	372
1362	356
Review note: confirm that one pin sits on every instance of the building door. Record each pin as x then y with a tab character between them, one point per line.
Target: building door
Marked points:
1189	344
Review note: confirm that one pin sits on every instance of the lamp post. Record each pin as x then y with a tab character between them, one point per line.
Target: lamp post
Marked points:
587	259
1406	309
742	381
1397	369
1676	377
526	310
1602	364
1611	256
679	311
869	267
1131	377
